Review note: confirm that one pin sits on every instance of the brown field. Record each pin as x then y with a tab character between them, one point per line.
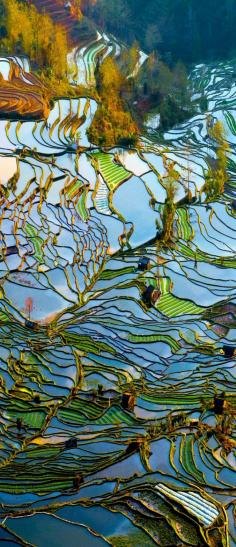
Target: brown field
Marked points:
59	14
23	96
63	16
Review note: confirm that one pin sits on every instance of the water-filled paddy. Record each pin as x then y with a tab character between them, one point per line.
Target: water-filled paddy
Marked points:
76	462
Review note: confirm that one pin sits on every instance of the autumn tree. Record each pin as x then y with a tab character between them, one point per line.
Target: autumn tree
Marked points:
132	58
218	134
170	181
109	78
43	33
112	123
57	54
36	35
217	176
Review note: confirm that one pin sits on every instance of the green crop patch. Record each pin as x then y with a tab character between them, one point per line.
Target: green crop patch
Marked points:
112	173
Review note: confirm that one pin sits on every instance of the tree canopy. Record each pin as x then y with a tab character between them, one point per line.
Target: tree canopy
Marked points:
112	124
35	34
190	30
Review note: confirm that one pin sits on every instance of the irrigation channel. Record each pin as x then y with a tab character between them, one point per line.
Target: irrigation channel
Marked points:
109	428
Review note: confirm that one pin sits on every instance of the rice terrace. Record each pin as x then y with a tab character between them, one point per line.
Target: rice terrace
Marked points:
117	273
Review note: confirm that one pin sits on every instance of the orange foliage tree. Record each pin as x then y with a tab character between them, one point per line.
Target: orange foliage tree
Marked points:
37	36
112	123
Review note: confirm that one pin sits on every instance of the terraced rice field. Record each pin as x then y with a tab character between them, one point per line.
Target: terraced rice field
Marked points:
21	94
82	61
112	173
108	407
60	12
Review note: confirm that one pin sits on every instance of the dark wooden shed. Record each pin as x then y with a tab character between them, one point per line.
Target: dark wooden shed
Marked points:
151	296
144	263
